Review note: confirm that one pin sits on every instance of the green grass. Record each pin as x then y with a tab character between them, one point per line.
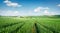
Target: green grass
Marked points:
29	24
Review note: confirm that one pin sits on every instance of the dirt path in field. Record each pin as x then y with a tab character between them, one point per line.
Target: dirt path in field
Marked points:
35	28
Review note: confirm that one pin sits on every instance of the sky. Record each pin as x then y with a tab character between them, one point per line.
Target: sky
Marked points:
29	7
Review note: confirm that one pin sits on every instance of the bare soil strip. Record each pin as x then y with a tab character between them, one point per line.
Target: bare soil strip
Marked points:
35	28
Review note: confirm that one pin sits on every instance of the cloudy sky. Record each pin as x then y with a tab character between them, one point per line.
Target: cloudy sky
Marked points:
29	7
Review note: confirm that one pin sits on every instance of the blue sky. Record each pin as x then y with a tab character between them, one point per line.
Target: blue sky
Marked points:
29	7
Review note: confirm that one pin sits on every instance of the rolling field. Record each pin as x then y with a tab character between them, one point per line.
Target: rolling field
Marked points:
29	25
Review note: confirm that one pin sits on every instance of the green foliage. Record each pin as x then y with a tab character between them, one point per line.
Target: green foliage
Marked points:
30	24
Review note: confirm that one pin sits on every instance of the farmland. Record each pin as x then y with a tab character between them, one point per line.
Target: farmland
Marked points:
30	24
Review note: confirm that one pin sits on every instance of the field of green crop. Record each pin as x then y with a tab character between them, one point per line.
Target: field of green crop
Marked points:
29	25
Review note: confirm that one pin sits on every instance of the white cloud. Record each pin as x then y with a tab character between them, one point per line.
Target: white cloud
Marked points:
10	13
9	3
38	9
58	5
46	12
